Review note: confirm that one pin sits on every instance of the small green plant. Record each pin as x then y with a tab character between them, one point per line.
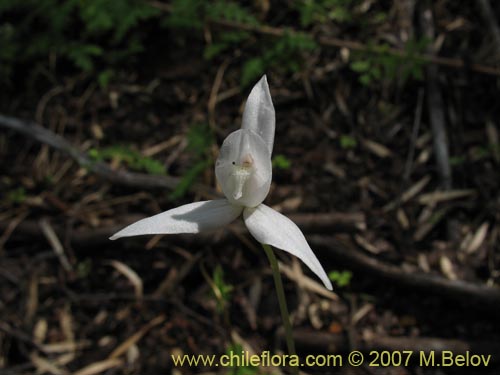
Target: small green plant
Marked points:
341	278
314	12
347	142
236	368
477	153
84	268
457	160
200	140
221	291
87	33
379	63
281	162
131	158
186	14
284	55
229	11
192	14
17	195
367	70
188	178
104	77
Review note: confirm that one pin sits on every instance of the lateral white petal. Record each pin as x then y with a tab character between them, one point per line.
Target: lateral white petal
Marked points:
259	115
272	228
190	218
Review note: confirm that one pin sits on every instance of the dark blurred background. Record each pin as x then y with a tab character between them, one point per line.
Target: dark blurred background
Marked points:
386	155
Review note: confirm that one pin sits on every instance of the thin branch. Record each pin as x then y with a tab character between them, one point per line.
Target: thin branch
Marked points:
489	18
341	43
131	179
435	106
357	46
476	295
414	135
322	341
91	237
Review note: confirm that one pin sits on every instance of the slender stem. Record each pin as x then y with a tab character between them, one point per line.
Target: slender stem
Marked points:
281	299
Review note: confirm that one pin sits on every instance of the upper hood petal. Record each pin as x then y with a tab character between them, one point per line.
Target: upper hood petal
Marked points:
272	228
190	218
259	115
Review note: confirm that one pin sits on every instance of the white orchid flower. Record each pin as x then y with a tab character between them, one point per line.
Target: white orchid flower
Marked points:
243	170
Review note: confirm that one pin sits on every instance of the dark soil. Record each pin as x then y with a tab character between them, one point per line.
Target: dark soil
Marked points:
58	318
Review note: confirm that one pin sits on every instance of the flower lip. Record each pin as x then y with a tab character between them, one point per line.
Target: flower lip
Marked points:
241	176
243	168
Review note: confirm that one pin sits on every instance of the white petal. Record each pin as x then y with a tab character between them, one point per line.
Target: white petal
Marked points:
190	218
272	228
243	168
258	115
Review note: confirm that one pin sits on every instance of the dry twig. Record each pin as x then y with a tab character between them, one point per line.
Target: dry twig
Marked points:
337	343
435	106
489	18
357	46
131	179
476	295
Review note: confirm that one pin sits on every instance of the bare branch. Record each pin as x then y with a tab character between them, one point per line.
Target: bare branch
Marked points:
436	109
357	46
480	296
41	134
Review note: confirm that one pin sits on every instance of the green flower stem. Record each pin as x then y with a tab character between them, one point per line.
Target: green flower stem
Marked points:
281	299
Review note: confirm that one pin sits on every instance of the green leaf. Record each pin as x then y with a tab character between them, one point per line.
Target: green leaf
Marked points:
133	159
340	14
214	49
281	162
230	11
47	28
347	142
104	77
252	69
16	195
188	179
187	14
83	55
221	290
239	369
379	17
341	278
200	139
360	66
365	79
457	160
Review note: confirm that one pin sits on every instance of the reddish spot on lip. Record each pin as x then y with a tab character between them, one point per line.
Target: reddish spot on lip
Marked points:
247	161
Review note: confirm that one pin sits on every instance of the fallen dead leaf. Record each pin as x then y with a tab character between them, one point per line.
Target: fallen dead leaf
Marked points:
132	340
477	239
447	268
442	196
98	367
307	283
409	193
376	148
44	366
131	275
